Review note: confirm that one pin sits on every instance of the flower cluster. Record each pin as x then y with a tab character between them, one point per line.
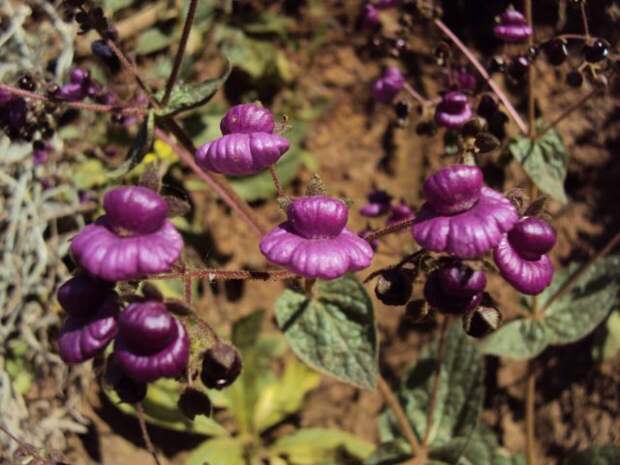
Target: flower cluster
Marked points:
247	145
512	26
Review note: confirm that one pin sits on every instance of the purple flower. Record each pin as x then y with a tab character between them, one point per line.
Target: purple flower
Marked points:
151	344
521	255
378	204
12	111
512	26
388	85
92	306
465	80
453	111
241	154
133	239
399	212
314	241
370	17
247	118
462	217
455	288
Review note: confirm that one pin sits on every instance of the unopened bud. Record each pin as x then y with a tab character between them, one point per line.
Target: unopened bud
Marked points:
394	286
482	320
221	366
194	402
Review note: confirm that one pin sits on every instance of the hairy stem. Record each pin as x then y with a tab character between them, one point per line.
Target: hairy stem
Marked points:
401	417
276	181
145	432
416	95
584	20
436	380
399	226
213	274
178	59
531	102
483	72
530	415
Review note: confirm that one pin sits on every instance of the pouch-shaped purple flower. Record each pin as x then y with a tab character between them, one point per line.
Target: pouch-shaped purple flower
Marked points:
399	212
453	111
92	306
132	240
247	118
151	343
388	85
521	255
241	154
77	88
314	241
512	26
378	204
461	216
455	288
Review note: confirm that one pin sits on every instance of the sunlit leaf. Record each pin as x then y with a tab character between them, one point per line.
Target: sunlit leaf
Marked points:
218	451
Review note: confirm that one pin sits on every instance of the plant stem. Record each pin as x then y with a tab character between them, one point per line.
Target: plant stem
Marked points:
399	226
483	72
392	402
567	112
276	181
145	433
416	96
530	414
436	380
217	182
584	20
531	102
570	282
178	59
213	274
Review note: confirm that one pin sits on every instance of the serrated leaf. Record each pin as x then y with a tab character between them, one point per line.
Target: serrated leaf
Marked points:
188	96
218	451
544	160
597	455
139	147
333	332
313	446
460	394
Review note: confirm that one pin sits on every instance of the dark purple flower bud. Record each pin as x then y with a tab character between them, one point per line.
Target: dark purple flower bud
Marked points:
247	118
388	85
103	51
394	286
151	343
5	96
40	153
520	256
194	402
453	111
241	154
512	26
221	365
79	76
134	238
314	242
378	204
482	320
455	288
13	112
72	92
462	217
79	295
370	17
465	81
399	212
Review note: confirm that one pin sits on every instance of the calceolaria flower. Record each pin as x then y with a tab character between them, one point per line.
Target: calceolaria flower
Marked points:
399	212
461	216
512	26
314	242
151	343
132	240
521	256
247	118
378	204
92	306
453	111
455	288
388	85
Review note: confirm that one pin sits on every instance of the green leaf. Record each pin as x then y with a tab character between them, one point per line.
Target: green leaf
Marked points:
544	161
218	451
317	445
390	453
333	332
152	40
185	97
478	449
460	393
139	148
566	320
246	330
597	455
255	57
607	344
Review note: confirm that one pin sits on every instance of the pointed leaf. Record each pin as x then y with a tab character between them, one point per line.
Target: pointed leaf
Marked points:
139	148
333	332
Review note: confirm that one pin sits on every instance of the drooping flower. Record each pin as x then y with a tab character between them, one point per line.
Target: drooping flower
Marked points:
151	343
77	88
399	212
455	288
378	204
247	118
522	258
388	85
314	241
370	17
461	216
133	239
92	306
242	154
512	26
453	111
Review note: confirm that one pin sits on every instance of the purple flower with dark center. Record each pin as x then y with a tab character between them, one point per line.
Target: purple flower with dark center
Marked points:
512	26
151	343
241	154
461	216
399	212
522	258
247	118
453	111
132	240
455	288
388	85
370	17
378	204
314	241
92	306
